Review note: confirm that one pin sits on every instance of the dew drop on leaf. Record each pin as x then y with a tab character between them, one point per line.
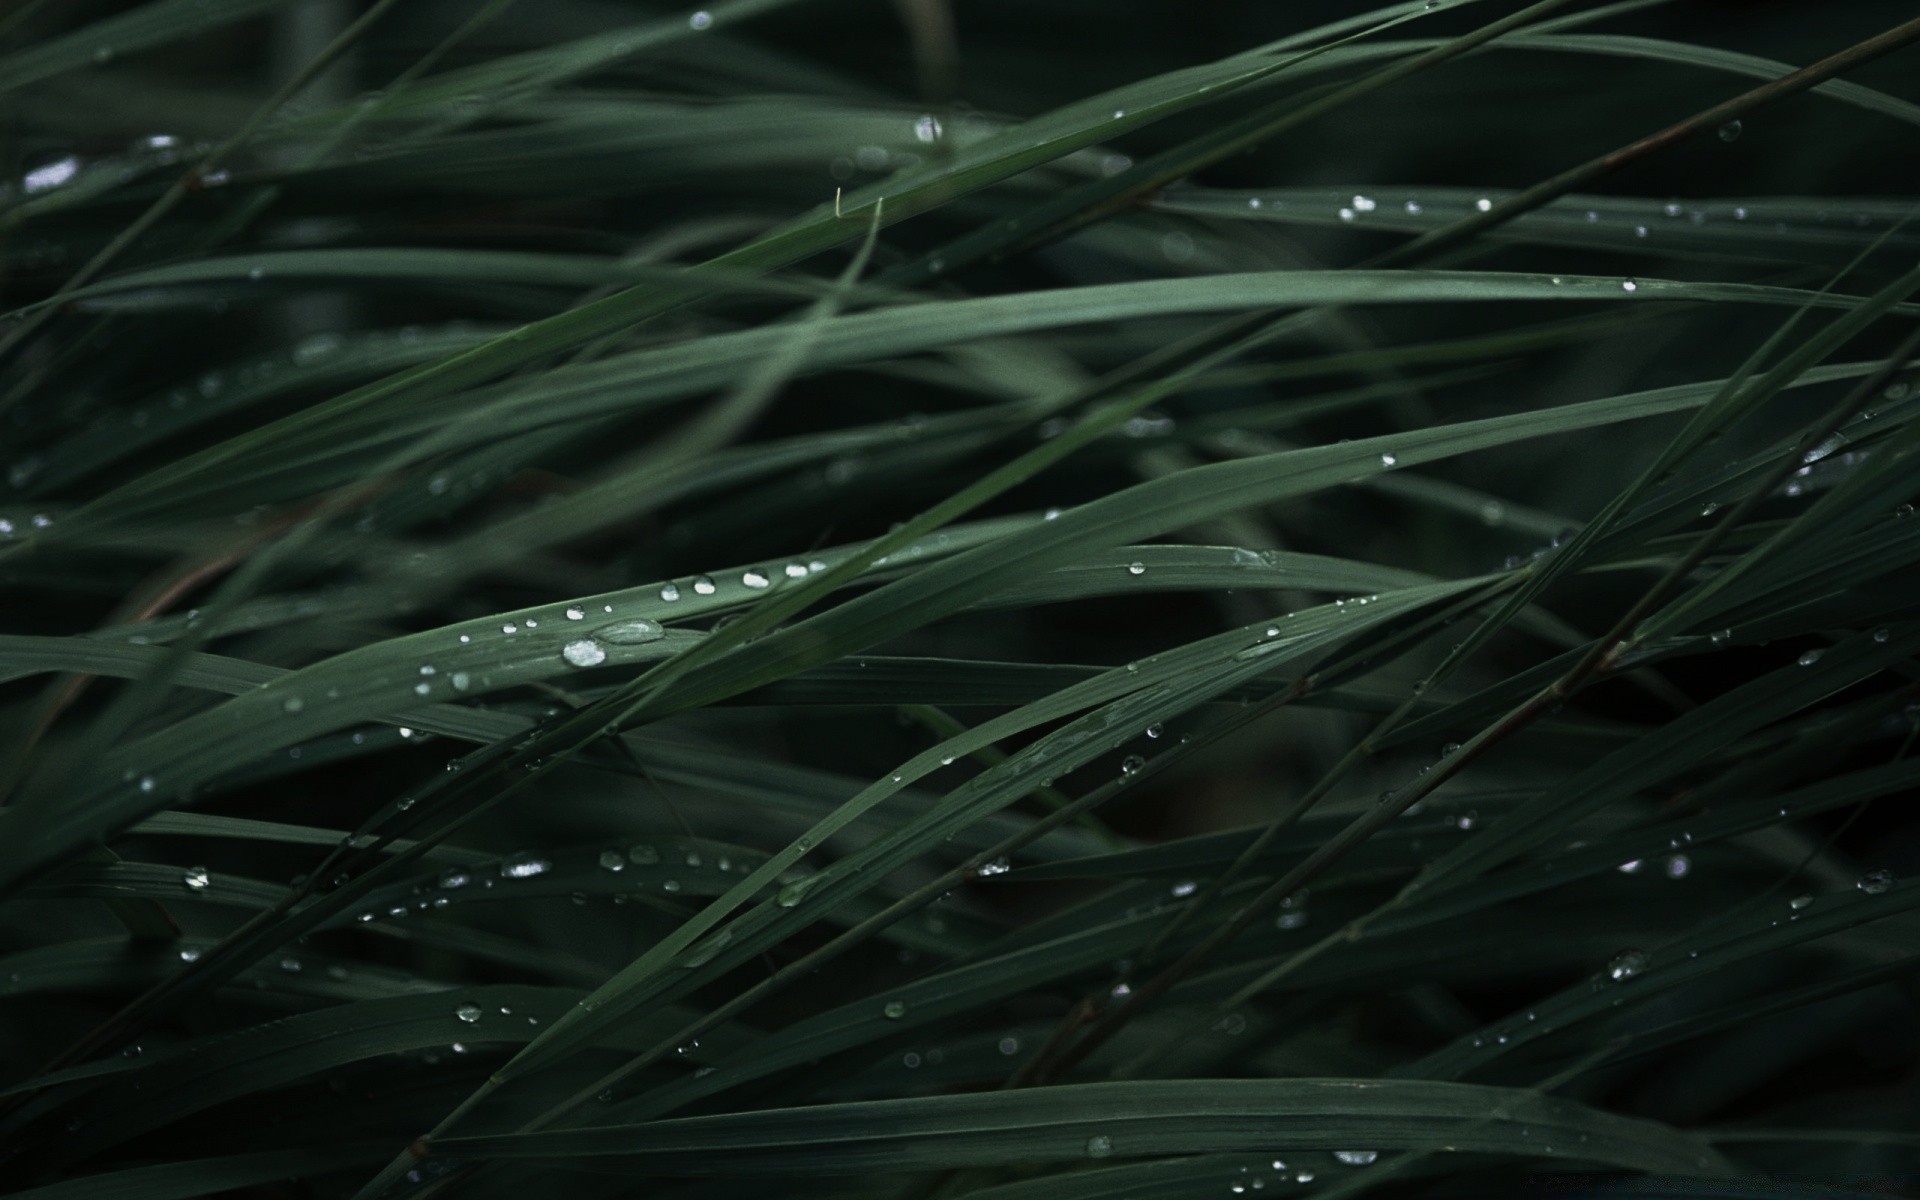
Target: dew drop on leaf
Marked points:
584	652
468	1012
630	633
1626	964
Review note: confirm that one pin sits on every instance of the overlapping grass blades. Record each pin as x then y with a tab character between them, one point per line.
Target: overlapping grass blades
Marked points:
640	597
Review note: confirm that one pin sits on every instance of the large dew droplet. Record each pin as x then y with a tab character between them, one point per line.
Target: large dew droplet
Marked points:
1626	964
468	1012
630	633
197	879
584	652
1873	883
1099	1146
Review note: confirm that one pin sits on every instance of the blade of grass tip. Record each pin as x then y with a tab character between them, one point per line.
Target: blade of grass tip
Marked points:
1801	528
1601	657
1247	332
1358	926
944	726
185	184
1716	415
1733	400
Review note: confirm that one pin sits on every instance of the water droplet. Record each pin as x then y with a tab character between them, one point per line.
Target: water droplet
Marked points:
926	128
468	1012
524	866
999	866
1363	204
1154	731
1882	634
756	578
1678	865
669	592
893	1010
1799	902
1356	1158
1136	568
574	612
1628	285
196	879
509	628
642	854
1809	658
147	783
613	860
1132	765
1186	887
630	633
1626	964
1099	1146
292	704
1483	204
1730	131
1874	882
700	20
703	585
1389	461
1630	867
584	652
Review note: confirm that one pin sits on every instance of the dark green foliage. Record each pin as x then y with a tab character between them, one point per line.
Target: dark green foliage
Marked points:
915	601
